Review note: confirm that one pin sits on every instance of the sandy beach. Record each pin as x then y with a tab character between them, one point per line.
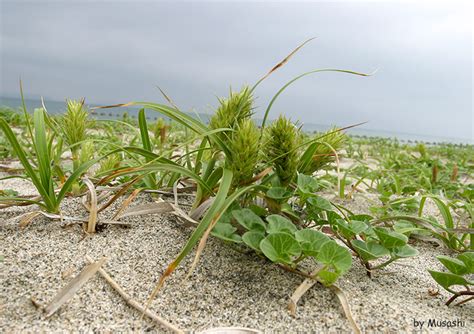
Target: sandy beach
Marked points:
227	288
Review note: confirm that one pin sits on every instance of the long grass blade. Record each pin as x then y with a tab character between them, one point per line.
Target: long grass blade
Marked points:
282	89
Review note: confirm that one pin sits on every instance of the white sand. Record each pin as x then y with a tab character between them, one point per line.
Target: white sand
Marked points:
228	288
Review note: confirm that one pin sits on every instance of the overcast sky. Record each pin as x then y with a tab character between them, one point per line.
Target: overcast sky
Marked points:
119	51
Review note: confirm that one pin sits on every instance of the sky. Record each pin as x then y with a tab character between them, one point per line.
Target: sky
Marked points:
120	51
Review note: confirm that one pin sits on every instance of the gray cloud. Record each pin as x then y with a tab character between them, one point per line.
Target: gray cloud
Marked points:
114	52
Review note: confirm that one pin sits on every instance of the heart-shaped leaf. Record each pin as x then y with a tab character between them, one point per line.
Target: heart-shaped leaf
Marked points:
311	241
307	184
390	239
258	210
343	228
455	266
370	250
357	226
328	277
279	194
226	231
405	227
320	203
335	255
277	223
468	259
447	279
248	219
253	239
405	251
280	247
362	218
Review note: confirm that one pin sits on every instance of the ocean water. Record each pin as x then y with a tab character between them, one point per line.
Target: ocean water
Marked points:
58	107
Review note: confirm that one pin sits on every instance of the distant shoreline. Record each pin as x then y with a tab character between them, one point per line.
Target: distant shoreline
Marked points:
57	107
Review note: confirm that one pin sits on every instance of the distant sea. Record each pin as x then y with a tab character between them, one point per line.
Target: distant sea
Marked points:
58	107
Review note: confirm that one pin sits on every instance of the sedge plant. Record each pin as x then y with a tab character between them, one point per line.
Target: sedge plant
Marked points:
38	164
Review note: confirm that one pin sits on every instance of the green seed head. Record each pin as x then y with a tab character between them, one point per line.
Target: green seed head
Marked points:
282	138
232	111
74	123
244	146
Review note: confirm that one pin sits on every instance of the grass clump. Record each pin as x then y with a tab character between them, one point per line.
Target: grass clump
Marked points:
38	165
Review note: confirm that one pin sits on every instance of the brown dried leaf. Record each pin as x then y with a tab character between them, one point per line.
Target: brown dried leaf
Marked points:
92	206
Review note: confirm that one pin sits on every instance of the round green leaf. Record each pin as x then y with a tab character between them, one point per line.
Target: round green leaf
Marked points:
320	203
279	193
307	184
277	223
248	219
335	255
311	241
226	231
369	250
405	251
253	239
357	227
343	228
328	277
280	247
390	239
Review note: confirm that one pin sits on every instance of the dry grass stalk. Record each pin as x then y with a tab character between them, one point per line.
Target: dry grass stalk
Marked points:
133	303
92	207
307	284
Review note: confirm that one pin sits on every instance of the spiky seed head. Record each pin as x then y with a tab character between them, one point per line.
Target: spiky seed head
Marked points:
282	139
244	144
75	121
232	111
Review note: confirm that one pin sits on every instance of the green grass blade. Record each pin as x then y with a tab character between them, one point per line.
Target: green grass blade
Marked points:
142	124
74	177
150	179
29	170
267	111
221	203
42	152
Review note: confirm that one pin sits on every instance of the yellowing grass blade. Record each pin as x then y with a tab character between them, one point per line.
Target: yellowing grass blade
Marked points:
283	62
